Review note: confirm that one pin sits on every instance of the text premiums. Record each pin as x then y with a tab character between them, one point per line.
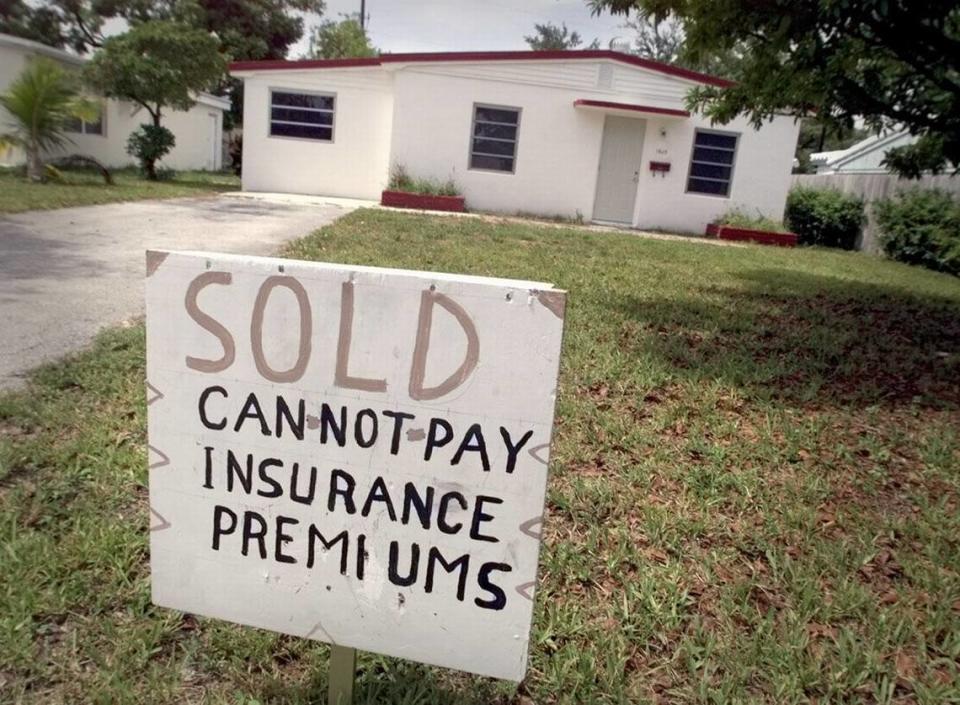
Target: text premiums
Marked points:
306	529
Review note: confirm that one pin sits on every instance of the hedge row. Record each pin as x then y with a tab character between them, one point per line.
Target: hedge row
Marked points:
917	226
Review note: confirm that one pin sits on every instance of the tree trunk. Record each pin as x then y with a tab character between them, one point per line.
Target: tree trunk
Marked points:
151	164
34	164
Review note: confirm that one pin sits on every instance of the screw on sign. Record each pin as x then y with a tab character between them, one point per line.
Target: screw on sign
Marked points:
351	454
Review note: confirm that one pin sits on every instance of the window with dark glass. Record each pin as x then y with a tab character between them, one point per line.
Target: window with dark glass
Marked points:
711	167
305	115
493	142
84	127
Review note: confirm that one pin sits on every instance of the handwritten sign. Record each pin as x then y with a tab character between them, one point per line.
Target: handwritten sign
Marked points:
351	454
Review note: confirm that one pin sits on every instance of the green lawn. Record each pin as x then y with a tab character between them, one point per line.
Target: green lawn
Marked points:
86	188
753	494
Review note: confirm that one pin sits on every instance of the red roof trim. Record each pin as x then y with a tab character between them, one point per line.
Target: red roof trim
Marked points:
284	65
582	102
449	56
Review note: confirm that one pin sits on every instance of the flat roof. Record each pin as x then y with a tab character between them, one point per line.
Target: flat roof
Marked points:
475	56
53	52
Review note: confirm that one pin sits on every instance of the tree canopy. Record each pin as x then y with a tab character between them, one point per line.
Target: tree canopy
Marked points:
551	37
894	63
660	41
41	23
157	64
247	29
344	39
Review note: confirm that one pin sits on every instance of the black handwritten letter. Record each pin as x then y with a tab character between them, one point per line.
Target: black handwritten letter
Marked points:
218	529
479	517
513	450
202	408
499	600
434	440
473	441
398	419
283	538
336	475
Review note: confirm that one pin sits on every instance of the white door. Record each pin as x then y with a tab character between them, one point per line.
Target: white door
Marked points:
619	171
213	141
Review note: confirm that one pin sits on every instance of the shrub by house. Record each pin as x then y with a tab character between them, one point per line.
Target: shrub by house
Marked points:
921	227
825	217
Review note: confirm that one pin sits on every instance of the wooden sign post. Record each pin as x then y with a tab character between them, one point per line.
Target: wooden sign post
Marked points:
343	667
351	454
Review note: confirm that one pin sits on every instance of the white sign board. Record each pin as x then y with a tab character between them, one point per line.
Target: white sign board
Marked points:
351	454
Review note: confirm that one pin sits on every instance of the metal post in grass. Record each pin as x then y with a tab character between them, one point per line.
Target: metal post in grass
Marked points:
343	667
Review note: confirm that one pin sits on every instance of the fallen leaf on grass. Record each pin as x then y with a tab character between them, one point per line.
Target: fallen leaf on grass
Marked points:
906	666
817	630
890	597
943	676
656	554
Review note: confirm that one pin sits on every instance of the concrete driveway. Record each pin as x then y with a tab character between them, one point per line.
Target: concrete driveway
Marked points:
65	274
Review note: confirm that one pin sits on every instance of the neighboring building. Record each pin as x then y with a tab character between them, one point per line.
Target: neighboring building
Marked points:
864	157
593	133
198	131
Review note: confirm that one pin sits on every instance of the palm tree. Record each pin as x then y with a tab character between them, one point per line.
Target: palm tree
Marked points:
40	102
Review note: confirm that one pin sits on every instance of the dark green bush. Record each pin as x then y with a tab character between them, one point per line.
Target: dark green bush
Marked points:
825	217
149	143
921	227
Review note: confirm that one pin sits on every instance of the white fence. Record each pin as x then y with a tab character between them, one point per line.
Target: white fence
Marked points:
874	187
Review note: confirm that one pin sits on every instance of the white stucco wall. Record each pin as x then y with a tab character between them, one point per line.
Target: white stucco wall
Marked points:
420	115
354	165
198	131
12	61
557	147
761	174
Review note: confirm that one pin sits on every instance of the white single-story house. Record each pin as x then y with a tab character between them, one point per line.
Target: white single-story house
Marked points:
198	131
864	157
597	134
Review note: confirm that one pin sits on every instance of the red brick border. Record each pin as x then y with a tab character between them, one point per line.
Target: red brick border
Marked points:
421	201
762	237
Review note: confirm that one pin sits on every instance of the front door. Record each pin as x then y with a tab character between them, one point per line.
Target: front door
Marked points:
619	170
213	142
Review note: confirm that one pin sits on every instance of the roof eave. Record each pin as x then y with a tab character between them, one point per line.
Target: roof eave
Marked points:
630	108
53	52
245	67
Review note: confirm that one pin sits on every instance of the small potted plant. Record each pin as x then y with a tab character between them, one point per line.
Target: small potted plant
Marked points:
737	225
405	191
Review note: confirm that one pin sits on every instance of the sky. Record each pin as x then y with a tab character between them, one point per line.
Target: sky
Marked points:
467	25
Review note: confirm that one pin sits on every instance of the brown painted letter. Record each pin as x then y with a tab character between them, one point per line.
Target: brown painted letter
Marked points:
419	368
306	330
209	323
342	376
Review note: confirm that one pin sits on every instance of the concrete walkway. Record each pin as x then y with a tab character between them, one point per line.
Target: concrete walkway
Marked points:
65	274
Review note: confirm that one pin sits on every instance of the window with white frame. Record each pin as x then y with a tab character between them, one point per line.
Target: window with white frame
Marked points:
303	115
493	140
711	166
84	127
